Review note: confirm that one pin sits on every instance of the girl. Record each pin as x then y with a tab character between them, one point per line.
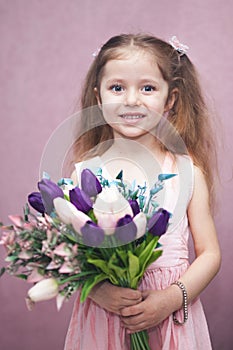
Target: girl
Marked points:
141	84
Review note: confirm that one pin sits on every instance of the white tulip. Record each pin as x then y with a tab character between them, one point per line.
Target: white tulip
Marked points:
64	209
79	220
140	222
43	290
109	207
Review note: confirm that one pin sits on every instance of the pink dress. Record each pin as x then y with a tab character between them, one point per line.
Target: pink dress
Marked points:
93	328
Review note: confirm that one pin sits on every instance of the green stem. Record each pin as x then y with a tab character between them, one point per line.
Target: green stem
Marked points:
139	341
74	278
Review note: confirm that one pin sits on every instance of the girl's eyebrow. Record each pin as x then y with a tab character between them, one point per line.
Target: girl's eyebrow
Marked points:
115	80
143	80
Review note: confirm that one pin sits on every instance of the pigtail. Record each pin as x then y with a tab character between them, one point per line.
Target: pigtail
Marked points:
191	119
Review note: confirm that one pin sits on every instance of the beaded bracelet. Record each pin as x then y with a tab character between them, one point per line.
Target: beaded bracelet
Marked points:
184	305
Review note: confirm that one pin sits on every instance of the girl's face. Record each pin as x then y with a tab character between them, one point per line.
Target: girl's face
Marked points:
133	94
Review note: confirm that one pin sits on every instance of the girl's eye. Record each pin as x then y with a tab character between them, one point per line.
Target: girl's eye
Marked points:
116	88
148	88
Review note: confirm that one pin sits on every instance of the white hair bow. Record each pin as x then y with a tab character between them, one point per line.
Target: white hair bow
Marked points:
178	46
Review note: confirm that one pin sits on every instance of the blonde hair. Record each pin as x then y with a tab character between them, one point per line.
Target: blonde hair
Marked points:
189	115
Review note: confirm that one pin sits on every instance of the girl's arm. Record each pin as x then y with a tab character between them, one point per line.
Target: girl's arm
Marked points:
158	305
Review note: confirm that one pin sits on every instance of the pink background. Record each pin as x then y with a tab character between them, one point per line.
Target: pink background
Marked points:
46	48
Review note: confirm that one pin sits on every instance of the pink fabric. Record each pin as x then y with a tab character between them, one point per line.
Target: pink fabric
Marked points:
94	328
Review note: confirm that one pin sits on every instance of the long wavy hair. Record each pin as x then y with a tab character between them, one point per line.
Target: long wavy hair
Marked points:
189	115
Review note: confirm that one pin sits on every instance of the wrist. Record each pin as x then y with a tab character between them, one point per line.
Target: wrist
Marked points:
183	290
95	289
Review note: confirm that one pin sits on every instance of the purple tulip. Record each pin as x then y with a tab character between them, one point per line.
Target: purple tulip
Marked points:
49	190
157	225
126	229
89	183
35	200
135	207
93	235
80	200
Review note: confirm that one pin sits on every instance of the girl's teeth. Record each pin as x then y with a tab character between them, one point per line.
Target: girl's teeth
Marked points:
132	116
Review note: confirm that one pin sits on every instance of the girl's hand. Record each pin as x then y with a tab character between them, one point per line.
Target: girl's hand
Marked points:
156	306
113	298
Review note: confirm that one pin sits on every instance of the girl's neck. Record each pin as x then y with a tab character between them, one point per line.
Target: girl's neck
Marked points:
139	161
137	148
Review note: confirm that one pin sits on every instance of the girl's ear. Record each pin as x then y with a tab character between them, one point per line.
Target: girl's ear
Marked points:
171	100
96	92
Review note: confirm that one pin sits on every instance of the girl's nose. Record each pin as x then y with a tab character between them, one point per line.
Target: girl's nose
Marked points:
132	98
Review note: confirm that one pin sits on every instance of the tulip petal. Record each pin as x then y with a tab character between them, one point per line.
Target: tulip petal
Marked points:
109	207
49	190
64	209
134	205
157	225
89	183
80	200
79	220
126	229
93	235
36	202
140	222
43	290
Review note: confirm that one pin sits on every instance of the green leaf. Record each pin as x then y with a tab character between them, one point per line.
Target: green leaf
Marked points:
154	256
11	258
122	254
89	284
22	276
100	264
138	251
133	265
118	270
120	175
151	243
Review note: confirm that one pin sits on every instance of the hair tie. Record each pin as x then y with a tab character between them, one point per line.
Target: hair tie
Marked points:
178	46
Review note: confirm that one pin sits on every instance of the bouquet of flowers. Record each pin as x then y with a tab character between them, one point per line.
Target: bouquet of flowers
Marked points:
102	230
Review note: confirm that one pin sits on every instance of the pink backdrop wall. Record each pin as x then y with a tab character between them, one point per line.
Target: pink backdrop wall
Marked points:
46	48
